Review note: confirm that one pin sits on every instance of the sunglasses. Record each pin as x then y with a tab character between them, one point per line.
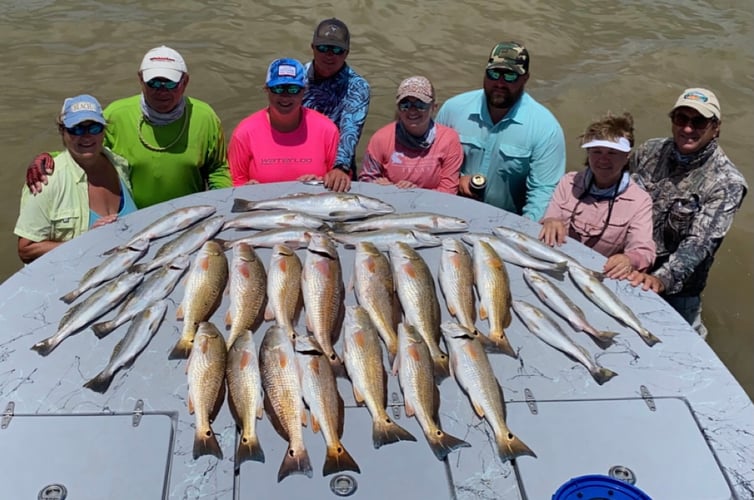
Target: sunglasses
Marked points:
160	84
324	49
420	105
697	122
92	128
496	74
290	89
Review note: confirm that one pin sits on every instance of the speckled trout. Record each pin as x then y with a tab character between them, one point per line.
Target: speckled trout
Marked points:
422	221
328	206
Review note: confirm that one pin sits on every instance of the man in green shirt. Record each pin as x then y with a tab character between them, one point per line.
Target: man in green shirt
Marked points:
174	143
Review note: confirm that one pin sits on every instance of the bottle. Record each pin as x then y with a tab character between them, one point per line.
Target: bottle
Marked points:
477	185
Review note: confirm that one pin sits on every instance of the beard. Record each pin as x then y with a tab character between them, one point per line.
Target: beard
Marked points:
502	98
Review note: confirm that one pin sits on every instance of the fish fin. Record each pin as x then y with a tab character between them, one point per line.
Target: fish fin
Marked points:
602	375
409	408
249	449
452	310
269	314
179	314
182	348
228	319
218	402
205	443
241	205
44	347
338	460
498	342
648	337
482	313
100	382
139	268
358	396
442	444
385	431
510	446
190	404
315	423
478	409
70	296
102	329
295	463
340	227
113	250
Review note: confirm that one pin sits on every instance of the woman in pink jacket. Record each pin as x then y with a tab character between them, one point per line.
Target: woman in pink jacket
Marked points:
601	206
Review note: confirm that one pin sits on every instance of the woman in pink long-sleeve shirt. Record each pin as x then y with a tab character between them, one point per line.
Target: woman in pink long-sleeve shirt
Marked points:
601	206
414	151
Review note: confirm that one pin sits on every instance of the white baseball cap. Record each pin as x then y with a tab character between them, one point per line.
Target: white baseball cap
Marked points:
163	62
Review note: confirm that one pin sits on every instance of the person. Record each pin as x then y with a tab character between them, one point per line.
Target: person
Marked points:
696	191
414	151
507	136
174	144
284	141
601	206
338	92
90	189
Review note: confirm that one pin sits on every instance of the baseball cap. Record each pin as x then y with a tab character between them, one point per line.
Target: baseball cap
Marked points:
286	72
509	55
332	32
163	62
416	86
701	100
80	109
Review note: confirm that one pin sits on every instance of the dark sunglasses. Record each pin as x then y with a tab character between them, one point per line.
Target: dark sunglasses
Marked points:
92	128
496	74
160	84
291	89
324	49
420	105
698	122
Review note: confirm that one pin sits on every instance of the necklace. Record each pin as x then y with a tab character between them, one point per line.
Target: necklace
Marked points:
158	148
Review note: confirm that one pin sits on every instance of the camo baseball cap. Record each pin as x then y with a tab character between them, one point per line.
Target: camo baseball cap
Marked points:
701	100
509	55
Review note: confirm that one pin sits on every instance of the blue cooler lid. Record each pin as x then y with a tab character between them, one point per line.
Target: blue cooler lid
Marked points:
597	486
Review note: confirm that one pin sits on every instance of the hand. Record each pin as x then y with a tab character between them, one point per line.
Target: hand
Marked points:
252	181
404	184
337	180
553	232
464	187
383	181
105	220
647	282
37	171
618	267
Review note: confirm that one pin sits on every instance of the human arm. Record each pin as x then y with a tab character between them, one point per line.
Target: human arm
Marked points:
546	168
36	173
352	119
215	169
28	250
240	159
555	220
337	178
451	165
640	246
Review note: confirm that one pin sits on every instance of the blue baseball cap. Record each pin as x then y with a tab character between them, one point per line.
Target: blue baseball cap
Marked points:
286	72
80	109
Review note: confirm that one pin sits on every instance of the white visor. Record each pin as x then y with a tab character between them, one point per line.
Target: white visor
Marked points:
621	144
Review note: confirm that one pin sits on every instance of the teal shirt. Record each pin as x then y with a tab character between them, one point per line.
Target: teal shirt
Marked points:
126	206
523	156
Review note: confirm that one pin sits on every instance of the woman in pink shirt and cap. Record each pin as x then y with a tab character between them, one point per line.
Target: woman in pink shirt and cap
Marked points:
601	206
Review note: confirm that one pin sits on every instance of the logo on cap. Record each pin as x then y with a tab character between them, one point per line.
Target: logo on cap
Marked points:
695	96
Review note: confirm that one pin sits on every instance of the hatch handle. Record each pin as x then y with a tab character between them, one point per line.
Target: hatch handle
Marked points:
138	413
8	415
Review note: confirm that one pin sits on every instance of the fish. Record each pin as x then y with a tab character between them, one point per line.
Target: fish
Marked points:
362	354
245	395
456	277
328	206
544	327
202	295
323	292
90	310
517	255
559	302
284	301
294	237
185	244
283	399
205	370
422	221
275	219
326	408
472	370
143	327
382	238
171	223
532	245
248	292
416	293
109	268
420	394
156	286
375	292
606	300
493	286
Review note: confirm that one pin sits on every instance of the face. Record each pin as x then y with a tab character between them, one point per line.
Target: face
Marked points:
159	96
691	131
501	93
606	164
285	99
84	140
414	119
326	61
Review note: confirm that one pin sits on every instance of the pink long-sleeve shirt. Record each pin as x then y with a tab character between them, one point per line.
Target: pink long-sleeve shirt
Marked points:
435	168
630	228
259	152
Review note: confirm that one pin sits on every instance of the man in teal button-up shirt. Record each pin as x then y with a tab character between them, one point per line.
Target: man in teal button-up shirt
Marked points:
507	136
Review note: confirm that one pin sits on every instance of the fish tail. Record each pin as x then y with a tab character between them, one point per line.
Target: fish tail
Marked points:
205	443
139	268
45	346
441	366
338	460
249	449
102	329
182	348
509	446
602	375
232	338
498	342
648	337
295	462
100	382
385	431
559	270
443	443
241	205
339	227
70	296
226	244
